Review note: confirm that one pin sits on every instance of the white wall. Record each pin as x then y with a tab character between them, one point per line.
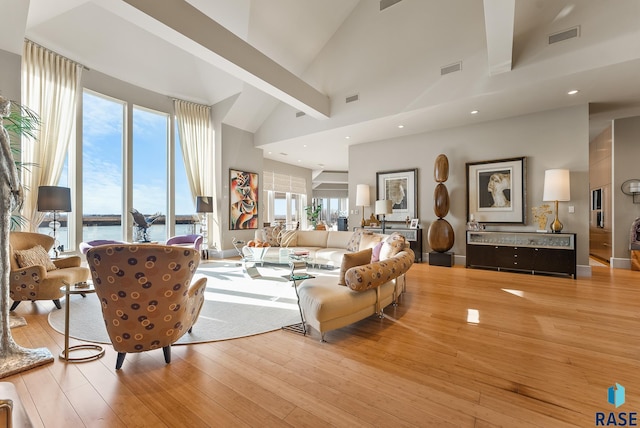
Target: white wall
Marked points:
551	139
10	75
238	153
626	153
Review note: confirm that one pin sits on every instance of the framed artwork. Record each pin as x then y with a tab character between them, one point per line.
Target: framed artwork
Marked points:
401	187
243	200
496	191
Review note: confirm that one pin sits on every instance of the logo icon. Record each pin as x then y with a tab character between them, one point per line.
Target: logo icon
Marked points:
616	395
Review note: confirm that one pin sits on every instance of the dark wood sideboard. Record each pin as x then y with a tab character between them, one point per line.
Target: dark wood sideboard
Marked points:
531	252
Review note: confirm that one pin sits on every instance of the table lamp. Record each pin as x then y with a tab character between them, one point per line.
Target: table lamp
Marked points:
556	188
362	198
54	199
383	208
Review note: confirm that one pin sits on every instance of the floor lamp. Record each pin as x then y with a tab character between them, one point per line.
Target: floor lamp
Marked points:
362	198
383	208
204	205
556	188
54	199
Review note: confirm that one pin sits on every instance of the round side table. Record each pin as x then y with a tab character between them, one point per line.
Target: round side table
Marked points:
92	351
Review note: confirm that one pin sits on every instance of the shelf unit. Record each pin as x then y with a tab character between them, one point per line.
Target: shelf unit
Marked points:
531	252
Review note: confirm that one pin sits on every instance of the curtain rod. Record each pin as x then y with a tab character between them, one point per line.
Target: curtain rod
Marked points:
189	102
56	53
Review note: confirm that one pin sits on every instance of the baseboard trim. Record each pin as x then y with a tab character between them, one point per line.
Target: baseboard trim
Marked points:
620	263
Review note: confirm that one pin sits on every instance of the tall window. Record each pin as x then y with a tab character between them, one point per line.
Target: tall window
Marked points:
104	186
102	145
150	143
280	207
285	197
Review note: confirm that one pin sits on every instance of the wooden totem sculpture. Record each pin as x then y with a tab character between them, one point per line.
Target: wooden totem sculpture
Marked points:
441	235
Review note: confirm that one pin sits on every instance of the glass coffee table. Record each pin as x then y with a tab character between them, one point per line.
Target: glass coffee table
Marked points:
257	256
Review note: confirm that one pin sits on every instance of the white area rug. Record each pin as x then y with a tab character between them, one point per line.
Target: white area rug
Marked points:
235	306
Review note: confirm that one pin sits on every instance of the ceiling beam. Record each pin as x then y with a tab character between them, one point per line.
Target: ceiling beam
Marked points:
234	55
499	17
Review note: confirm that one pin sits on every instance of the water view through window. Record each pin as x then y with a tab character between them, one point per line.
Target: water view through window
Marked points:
103	165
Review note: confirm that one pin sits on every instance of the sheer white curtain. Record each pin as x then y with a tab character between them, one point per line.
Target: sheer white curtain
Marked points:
50	85
197	144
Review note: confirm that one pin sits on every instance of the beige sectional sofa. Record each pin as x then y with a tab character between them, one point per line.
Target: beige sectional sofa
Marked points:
372	273
367	289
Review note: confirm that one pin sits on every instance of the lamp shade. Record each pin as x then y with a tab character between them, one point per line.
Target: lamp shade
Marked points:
204	204
362	195
556	185
54	198
384	207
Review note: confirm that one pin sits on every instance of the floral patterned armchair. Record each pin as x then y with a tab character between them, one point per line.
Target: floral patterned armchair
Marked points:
147	296
34	276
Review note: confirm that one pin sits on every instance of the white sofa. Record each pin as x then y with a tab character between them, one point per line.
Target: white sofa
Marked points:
368	289
368	286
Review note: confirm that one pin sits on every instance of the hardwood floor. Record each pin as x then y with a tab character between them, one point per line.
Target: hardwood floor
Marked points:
465	348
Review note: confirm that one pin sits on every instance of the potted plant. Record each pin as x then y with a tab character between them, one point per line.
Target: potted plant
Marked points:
21	122
313	214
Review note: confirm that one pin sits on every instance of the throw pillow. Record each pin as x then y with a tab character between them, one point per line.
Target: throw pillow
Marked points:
375	252
272	234
392	246
36	256
354	242
289	238
369	240
350	260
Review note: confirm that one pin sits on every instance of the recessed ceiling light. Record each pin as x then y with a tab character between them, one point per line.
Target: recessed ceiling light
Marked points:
573	92
304	145
400	126
347	137
474	111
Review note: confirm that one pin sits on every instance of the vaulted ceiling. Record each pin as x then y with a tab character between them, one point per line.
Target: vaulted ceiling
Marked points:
287	67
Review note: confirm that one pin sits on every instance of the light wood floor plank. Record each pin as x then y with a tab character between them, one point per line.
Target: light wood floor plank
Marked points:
543	354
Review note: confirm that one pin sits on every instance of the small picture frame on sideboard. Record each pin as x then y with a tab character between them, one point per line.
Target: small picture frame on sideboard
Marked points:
414	223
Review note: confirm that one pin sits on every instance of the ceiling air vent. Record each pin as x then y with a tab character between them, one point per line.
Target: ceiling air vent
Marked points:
387	3
300	114
564	35
352	98
451	68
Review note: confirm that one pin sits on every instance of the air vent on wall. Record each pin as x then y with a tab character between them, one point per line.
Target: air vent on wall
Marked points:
387	3
300	114
451	68
352	98
564	35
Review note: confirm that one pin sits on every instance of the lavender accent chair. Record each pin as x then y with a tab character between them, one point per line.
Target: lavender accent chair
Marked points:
187	241
85	246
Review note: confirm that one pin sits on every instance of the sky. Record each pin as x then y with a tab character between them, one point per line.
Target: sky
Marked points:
103	160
